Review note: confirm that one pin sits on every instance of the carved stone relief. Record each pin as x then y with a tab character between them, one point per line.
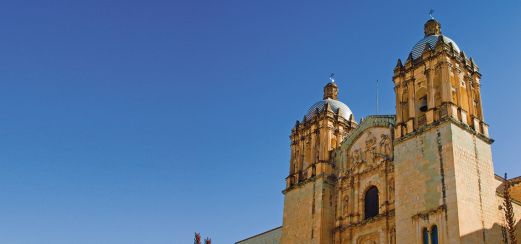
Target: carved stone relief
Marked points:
385	145
368	239
345	209
369	149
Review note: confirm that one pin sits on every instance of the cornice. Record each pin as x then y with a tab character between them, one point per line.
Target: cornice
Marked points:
328	179
377	218
440	122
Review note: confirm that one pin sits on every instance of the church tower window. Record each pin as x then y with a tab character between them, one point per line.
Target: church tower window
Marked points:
423	104
425	236
371	202
434	234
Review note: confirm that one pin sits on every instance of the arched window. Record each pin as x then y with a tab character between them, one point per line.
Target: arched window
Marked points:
423	104
371	202
425	236
434	234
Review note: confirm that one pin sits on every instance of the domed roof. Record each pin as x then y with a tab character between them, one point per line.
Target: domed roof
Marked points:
335	105
417	50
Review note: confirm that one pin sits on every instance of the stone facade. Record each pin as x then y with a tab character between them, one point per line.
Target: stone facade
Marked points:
424	175
364	161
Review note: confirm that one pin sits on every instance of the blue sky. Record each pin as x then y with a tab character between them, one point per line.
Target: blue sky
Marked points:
145	121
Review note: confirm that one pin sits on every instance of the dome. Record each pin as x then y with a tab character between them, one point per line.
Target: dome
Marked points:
335	105
417	50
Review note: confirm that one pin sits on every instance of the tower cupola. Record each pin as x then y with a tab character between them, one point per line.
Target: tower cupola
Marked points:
438	81
432	27
324	126
331	91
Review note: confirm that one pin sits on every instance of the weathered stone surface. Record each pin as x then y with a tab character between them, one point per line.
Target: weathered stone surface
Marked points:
391	179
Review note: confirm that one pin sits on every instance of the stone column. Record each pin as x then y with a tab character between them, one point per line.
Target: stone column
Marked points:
462	114
458	90
470	99
302	155
398	92
446	88
445	83
477	88
356	200
429	73
412	106
292	160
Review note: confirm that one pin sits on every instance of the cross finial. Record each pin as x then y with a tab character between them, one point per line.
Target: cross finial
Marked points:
332	77
431	12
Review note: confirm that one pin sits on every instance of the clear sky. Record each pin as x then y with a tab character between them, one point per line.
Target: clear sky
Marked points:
127	122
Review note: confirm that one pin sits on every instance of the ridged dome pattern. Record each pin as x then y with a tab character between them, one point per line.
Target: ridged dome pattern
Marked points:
335	105
417	50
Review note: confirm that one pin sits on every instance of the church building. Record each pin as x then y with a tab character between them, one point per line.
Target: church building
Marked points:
422	176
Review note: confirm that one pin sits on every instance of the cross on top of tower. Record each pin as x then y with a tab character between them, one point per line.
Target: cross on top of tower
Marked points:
431	12
331	88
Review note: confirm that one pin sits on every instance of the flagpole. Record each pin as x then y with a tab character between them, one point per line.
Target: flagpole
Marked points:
376	96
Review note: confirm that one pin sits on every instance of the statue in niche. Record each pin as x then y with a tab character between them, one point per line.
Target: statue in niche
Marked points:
385	145
370	148
345	206
357	156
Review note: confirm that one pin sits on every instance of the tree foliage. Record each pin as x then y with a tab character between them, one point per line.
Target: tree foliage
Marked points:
509	212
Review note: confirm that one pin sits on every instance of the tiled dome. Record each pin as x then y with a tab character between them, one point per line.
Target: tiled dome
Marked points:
335	105
417	50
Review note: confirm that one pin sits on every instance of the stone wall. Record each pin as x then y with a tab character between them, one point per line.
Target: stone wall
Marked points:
364	160
309	213
445	177
475	188
425	192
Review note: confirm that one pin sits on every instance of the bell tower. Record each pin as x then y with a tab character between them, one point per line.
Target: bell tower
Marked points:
309	205
437	81
444	177
331	91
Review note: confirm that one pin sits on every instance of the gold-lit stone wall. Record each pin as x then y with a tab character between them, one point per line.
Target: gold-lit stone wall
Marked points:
476	196
444	172
431	163
309	202
441	82
364	160
444	177
308	213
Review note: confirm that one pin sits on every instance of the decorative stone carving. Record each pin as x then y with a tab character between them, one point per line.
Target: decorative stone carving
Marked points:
368	239
391	187
345	209
370	148
357	156
385	145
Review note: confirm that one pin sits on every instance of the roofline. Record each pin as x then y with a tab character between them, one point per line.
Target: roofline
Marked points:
499	177
259	234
